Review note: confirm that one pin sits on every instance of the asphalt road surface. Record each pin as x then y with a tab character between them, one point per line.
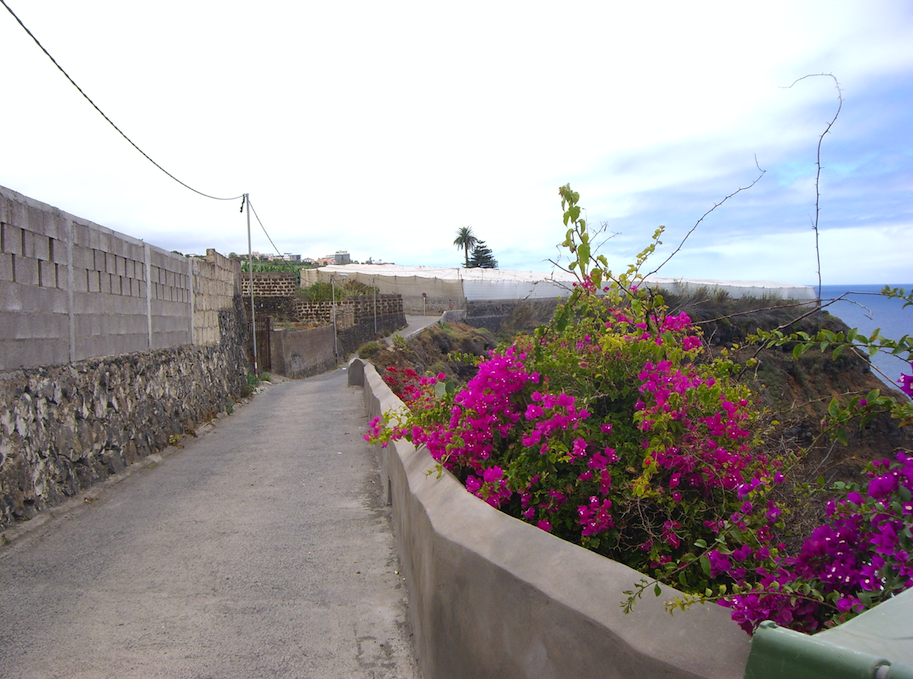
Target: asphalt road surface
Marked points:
259	549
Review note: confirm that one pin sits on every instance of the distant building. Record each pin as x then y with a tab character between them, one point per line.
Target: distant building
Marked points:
342	257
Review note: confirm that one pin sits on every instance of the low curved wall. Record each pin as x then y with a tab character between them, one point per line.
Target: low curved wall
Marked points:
491	596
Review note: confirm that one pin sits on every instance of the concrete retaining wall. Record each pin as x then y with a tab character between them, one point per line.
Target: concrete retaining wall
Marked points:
302	352
491	596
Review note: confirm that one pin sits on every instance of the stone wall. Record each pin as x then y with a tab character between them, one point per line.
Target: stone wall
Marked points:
278	308
493	597
108	346
519	314
65	427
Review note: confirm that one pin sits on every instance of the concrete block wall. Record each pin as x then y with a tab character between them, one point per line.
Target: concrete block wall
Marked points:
216	284
71	289
97	359
171	309
270	284
365	306
34	285
321	313
491	596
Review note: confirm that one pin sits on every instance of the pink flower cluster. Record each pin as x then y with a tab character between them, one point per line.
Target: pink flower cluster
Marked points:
906	383
863	553
628	445
551	413
709	448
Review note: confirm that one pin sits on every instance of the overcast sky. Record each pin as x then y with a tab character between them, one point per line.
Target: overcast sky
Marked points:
382	128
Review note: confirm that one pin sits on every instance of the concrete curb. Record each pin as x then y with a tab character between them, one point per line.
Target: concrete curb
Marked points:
491	596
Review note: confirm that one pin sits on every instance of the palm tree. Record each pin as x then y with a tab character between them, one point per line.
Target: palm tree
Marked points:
465	239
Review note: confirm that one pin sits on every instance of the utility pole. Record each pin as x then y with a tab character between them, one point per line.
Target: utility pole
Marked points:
250	266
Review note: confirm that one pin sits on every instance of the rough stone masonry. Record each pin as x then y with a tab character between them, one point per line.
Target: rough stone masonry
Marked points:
66	427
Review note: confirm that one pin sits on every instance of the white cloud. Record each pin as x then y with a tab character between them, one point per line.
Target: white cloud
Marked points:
382	128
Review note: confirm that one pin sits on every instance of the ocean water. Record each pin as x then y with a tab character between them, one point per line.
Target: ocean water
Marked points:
867	310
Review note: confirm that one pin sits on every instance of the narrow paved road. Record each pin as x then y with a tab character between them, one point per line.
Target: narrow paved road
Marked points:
261	549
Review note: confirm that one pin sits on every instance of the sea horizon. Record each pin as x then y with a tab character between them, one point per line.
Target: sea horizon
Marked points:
869	311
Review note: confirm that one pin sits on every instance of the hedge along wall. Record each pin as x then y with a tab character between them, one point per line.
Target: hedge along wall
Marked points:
94	377
491	596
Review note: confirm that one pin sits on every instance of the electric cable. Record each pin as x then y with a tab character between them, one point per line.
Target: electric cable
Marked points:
60	68
251	206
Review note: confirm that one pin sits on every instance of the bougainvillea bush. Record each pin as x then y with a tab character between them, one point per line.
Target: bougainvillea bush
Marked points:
613	428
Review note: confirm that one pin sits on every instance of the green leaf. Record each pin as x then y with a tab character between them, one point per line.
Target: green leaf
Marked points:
841	435
705	565
701	543
658	591
584	252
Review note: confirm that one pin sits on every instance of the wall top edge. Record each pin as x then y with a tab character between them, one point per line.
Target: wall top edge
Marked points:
17	197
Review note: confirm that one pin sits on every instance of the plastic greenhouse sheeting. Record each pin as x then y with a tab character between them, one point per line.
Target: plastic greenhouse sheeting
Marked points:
499	284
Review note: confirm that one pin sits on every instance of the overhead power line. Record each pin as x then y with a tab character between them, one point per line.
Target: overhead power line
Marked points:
145	155
251	206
